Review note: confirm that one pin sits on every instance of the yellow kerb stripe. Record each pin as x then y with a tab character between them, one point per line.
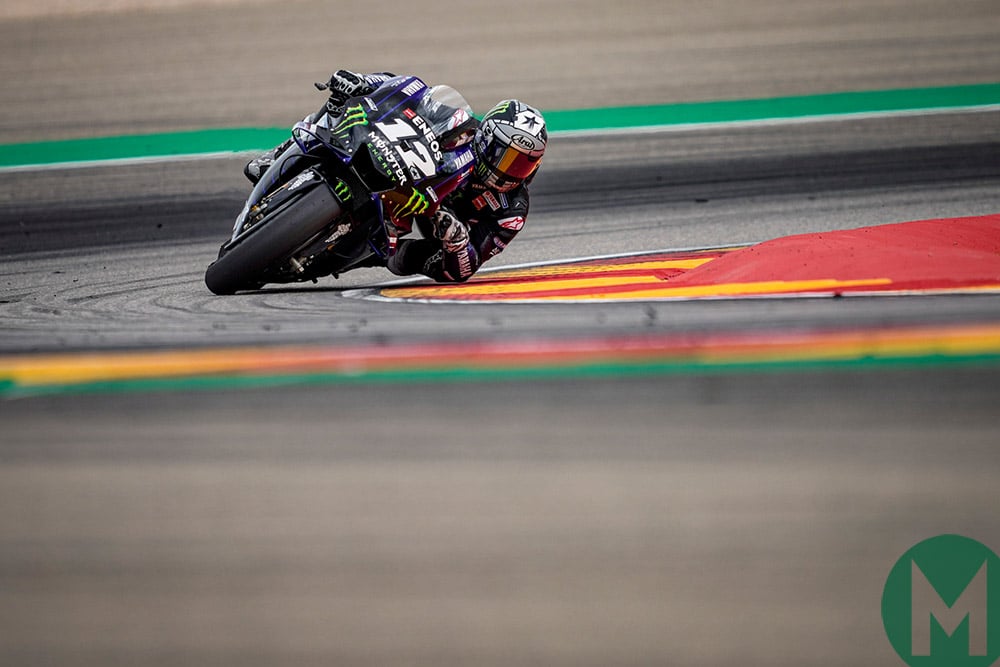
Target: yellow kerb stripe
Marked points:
734	289
525	290
561	269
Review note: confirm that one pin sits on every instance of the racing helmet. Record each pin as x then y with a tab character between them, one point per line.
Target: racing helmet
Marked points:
509	145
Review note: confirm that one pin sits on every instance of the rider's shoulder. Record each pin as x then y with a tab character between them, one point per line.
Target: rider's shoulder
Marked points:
518	196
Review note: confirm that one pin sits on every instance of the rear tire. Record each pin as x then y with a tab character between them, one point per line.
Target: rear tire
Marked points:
278	236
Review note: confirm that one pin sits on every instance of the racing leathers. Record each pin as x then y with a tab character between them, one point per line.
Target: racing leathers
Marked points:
472	225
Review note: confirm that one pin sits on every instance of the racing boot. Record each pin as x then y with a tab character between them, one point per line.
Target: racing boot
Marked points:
256	167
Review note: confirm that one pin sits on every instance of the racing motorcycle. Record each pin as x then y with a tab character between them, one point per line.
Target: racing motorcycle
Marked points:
348	186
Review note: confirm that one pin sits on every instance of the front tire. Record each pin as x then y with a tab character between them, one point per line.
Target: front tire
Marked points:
278	237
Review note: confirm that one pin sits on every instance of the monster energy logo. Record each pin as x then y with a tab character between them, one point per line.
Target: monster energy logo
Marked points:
342	191
498	109
416	205
353	116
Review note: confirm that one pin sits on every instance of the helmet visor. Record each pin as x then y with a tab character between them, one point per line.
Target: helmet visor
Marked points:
510	162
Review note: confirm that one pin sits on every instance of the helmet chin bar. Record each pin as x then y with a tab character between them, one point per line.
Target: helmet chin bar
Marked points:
493	179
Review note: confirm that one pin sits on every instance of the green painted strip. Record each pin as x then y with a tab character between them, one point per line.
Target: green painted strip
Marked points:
596	371
775	108
202	142
133	147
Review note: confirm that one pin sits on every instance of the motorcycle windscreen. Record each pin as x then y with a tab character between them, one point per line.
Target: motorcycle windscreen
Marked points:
450	116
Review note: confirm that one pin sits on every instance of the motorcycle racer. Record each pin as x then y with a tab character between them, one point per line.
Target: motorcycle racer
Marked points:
475	222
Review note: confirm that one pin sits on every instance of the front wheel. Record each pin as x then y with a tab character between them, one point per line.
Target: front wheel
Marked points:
277	238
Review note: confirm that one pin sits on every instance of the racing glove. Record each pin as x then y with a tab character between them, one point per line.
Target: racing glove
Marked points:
452	233
458	258
345	84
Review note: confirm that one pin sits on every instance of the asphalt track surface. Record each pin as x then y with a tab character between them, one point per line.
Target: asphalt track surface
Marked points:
690	519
